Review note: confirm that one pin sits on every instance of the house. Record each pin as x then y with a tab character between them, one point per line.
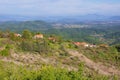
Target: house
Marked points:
103	45
76	43
17	35
52	39
92	46
84	44
38	36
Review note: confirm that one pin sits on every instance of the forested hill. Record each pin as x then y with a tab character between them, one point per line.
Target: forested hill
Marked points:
19	26
92	32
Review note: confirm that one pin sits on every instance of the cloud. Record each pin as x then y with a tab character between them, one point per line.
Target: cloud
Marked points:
59	7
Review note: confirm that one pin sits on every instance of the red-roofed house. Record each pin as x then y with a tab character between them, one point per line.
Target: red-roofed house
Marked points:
38	36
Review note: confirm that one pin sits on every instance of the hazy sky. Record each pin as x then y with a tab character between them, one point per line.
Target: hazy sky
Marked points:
59	7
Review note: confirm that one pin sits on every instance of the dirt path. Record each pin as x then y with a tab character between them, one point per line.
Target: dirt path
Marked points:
95	66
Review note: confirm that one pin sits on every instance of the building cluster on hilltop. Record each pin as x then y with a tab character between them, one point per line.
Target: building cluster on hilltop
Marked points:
54	39
84	44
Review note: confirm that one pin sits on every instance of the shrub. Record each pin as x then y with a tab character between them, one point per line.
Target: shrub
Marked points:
6	51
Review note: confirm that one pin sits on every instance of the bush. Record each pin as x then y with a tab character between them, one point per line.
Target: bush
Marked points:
6	51
9	71
27	34
35	46
26	45
117	47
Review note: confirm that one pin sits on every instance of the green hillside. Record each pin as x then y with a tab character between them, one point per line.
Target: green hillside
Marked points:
26	57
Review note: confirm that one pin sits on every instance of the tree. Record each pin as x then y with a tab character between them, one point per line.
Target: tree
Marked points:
27	34
117	47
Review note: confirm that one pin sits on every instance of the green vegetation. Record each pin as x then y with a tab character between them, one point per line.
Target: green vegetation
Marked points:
76	34
34	46
27	58
95	33
26	34
5	51
20	26
9	71
117	47
107	55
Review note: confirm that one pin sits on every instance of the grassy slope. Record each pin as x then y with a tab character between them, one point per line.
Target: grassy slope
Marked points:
57	55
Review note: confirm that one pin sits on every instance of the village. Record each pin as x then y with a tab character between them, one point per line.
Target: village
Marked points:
54	39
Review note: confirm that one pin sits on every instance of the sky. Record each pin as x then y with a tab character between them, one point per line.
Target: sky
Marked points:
59	7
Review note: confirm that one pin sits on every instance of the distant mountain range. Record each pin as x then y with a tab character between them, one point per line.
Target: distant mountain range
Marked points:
115	18
61	19
4	18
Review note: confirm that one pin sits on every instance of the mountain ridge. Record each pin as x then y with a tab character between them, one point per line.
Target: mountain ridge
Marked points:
67	19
